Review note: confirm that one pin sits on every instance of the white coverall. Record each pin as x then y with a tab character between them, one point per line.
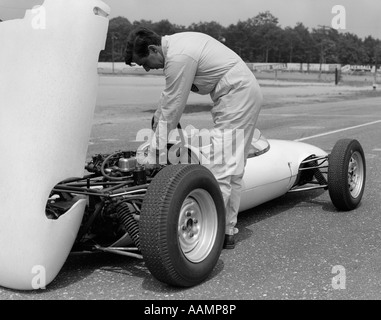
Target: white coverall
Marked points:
199	63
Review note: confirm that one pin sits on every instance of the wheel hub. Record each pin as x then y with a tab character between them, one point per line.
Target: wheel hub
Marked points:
355	174
197	225
189	223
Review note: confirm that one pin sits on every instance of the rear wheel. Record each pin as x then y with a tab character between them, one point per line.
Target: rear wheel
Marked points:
182	225
346	174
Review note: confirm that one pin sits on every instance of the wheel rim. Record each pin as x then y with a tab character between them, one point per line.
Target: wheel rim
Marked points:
198	224
355	174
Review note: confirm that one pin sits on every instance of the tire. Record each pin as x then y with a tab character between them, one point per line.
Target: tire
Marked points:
346	174
182	225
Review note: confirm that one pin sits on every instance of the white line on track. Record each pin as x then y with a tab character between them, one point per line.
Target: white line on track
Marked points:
339	130
288	115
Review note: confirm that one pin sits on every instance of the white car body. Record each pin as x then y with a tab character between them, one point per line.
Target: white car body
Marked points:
272	166
273	173
55	102
48	90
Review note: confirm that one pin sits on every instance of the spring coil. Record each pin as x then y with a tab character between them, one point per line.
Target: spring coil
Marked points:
317	173
129	223
319	177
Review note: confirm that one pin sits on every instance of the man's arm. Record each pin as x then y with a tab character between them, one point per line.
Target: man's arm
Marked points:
180	72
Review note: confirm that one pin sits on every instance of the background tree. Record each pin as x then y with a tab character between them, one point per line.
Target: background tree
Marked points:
266	34
118	31
303	45
238	38
351	50
324	40
260	39
214	29
164	27
372	48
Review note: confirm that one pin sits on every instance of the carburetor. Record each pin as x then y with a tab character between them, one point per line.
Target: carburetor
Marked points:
127	163
119	166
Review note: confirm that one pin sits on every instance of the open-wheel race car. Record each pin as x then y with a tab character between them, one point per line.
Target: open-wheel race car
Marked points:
172	215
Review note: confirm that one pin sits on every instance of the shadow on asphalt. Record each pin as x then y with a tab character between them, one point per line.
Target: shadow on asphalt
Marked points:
80	266
278	206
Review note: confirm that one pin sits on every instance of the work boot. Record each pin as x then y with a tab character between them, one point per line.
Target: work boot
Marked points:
229	242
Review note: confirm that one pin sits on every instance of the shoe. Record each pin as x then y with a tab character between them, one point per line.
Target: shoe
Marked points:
229	242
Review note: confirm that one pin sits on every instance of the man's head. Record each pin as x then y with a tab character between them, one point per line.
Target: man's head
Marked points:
144	49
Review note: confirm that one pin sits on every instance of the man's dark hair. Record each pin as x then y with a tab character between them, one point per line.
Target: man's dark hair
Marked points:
138	41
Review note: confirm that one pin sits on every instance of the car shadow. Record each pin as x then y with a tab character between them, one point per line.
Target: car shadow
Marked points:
248	218
152	284
79	267
275	207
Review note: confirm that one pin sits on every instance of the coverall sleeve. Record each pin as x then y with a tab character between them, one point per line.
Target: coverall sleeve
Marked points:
180	72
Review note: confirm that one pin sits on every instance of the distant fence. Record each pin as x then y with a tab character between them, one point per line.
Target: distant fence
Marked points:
333	73
122	68
311	67
359	75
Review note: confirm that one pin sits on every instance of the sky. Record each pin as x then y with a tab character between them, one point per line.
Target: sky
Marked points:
362	17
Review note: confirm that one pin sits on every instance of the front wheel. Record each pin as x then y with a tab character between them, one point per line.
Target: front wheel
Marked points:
346	174
182	225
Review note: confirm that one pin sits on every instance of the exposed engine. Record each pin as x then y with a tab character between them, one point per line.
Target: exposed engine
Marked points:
114	189
118	166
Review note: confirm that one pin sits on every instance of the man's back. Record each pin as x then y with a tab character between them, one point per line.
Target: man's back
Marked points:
213	58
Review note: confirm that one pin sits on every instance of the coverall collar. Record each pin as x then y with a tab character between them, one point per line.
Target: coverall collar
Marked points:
164	47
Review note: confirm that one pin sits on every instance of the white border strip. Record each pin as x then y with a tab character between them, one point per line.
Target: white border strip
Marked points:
336	131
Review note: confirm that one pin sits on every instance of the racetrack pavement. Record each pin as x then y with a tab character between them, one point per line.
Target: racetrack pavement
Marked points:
289	248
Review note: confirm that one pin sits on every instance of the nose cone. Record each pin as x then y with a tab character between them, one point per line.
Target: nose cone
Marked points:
48	90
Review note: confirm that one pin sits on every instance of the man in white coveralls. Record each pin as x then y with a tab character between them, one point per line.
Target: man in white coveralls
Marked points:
196	62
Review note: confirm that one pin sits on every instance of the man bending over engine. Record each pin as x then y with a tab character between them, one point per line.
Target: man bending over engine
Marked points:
197	62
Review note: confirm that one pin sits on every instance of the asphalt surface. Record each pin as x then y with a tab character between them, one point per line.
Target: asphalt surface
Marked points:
289	248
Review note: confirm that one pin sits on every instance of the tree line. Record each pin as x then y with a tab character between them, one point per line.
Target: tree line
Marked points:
261	39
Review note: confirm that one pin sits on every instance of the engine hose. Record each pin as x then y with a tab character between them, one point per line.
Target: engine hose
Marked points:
128	221
103	166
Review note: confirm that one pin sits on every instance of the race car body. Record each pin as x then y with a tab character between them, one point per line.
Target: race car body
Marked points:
172	216
274	172
48	90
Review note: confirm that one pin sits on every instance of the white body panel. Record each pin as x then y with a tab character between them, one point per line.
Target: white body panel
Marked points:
267	176
273	173
48	89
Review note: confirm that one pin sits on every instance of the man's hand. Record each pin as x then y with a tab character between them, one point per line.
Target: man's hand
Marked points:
152	167
149	165
151	158
154	122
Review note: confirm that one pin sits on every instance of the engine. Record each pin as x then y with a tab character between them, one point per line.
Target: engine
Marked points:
115	188
119	166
